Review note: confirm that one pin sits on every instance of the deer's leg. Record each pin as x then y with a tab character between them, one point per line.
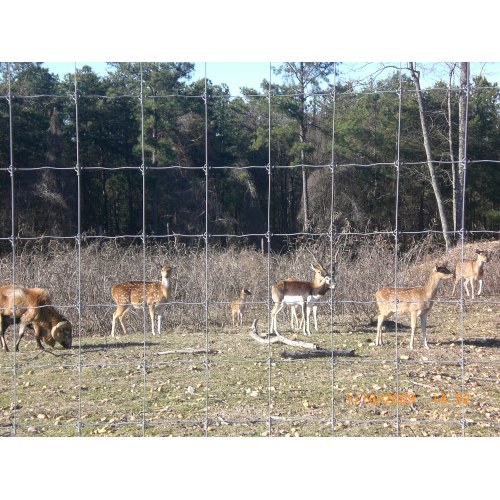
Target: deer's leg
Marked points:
293	317
3	327
315	310
274	313
380	321
306	329
423	324
303	316
480	287
151	309
22	328
472	280
466	287
120	311
413	327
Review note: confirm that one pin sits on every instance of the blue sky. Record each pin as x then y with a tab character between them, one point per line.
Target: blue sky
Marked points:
251	74
234	74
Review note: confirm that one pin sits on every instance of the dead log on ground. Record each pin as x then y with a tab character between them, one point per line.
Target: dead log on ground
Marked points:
278	338
189	351
320	353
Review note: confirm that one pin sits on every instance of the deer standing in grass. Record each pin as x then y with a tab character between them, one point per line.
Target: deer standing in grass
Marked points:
135	293
302	293
416	301
32	306
472	271
238	307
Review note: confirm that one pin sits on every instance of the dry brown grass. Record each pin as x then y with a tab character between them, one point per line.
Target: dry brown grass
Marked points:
237	387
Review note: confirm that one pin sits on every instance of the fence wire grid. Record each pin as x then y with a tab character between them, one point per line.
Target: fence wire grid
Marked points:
202	376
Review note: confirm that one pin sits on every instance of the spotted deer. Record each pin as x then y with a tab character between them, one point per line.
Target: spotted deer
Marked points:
136	293
302	293
416	301
471	271
238	307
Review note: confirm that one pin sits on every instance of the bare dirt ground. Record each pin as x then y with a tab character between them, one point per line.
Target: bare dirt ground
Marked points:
132	386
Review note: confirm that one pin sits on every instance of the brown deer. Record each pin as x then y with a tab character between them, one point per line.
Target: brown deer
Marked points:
135	293
416	301
238	307
472	271
33	306
302	293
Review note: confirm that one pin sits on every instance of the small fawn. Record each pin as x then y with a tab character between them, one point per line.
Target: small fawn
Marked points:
135	293
472	271
416	301
238	307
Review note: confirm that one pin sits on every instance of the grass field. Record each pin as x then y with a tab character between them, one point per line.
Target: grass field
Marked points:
132	386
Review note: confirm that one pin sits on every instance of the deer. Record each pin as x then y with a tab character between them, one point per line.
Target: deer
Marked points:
135	293
238	307
416	301
32	306
302	293
472	271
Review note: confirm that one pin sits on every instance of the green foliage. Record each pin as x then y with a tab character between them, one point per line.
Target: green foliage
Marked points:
152	115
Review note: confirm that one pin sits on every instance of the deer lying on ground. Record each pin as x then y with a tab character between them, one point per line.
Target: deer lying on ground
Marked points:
135	293
472	271
302	293
32	306
416	301
238	307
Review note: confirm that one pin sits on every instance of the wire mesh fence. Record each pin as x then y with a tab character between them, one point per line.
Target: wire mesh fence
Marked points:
203	375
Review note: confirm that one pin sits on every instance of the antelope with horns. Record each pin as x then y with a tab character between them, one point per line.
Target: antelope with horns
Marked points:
238	307
135	293
472	271
294	319
302	293
416	301
33	306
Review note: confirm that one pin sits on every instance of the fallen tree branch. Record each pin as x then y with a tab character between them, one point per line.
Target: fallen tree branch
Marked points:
189	351
425	385
320	353
278	338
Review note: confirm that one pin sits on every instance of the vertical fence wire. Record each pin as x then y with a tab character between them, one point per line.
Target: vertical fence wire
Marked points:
78	172
268	238
143	170
13	245
462	243
396	240
333	98
206	255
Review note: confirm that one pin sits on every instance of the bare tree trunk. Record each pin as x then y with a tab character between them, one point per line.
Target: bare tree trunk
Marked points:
305	197
454	167
428	151
462	127
302	138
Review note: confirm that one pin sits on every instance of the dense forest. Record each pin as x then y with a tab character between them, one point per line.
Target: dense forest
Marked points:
145	148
